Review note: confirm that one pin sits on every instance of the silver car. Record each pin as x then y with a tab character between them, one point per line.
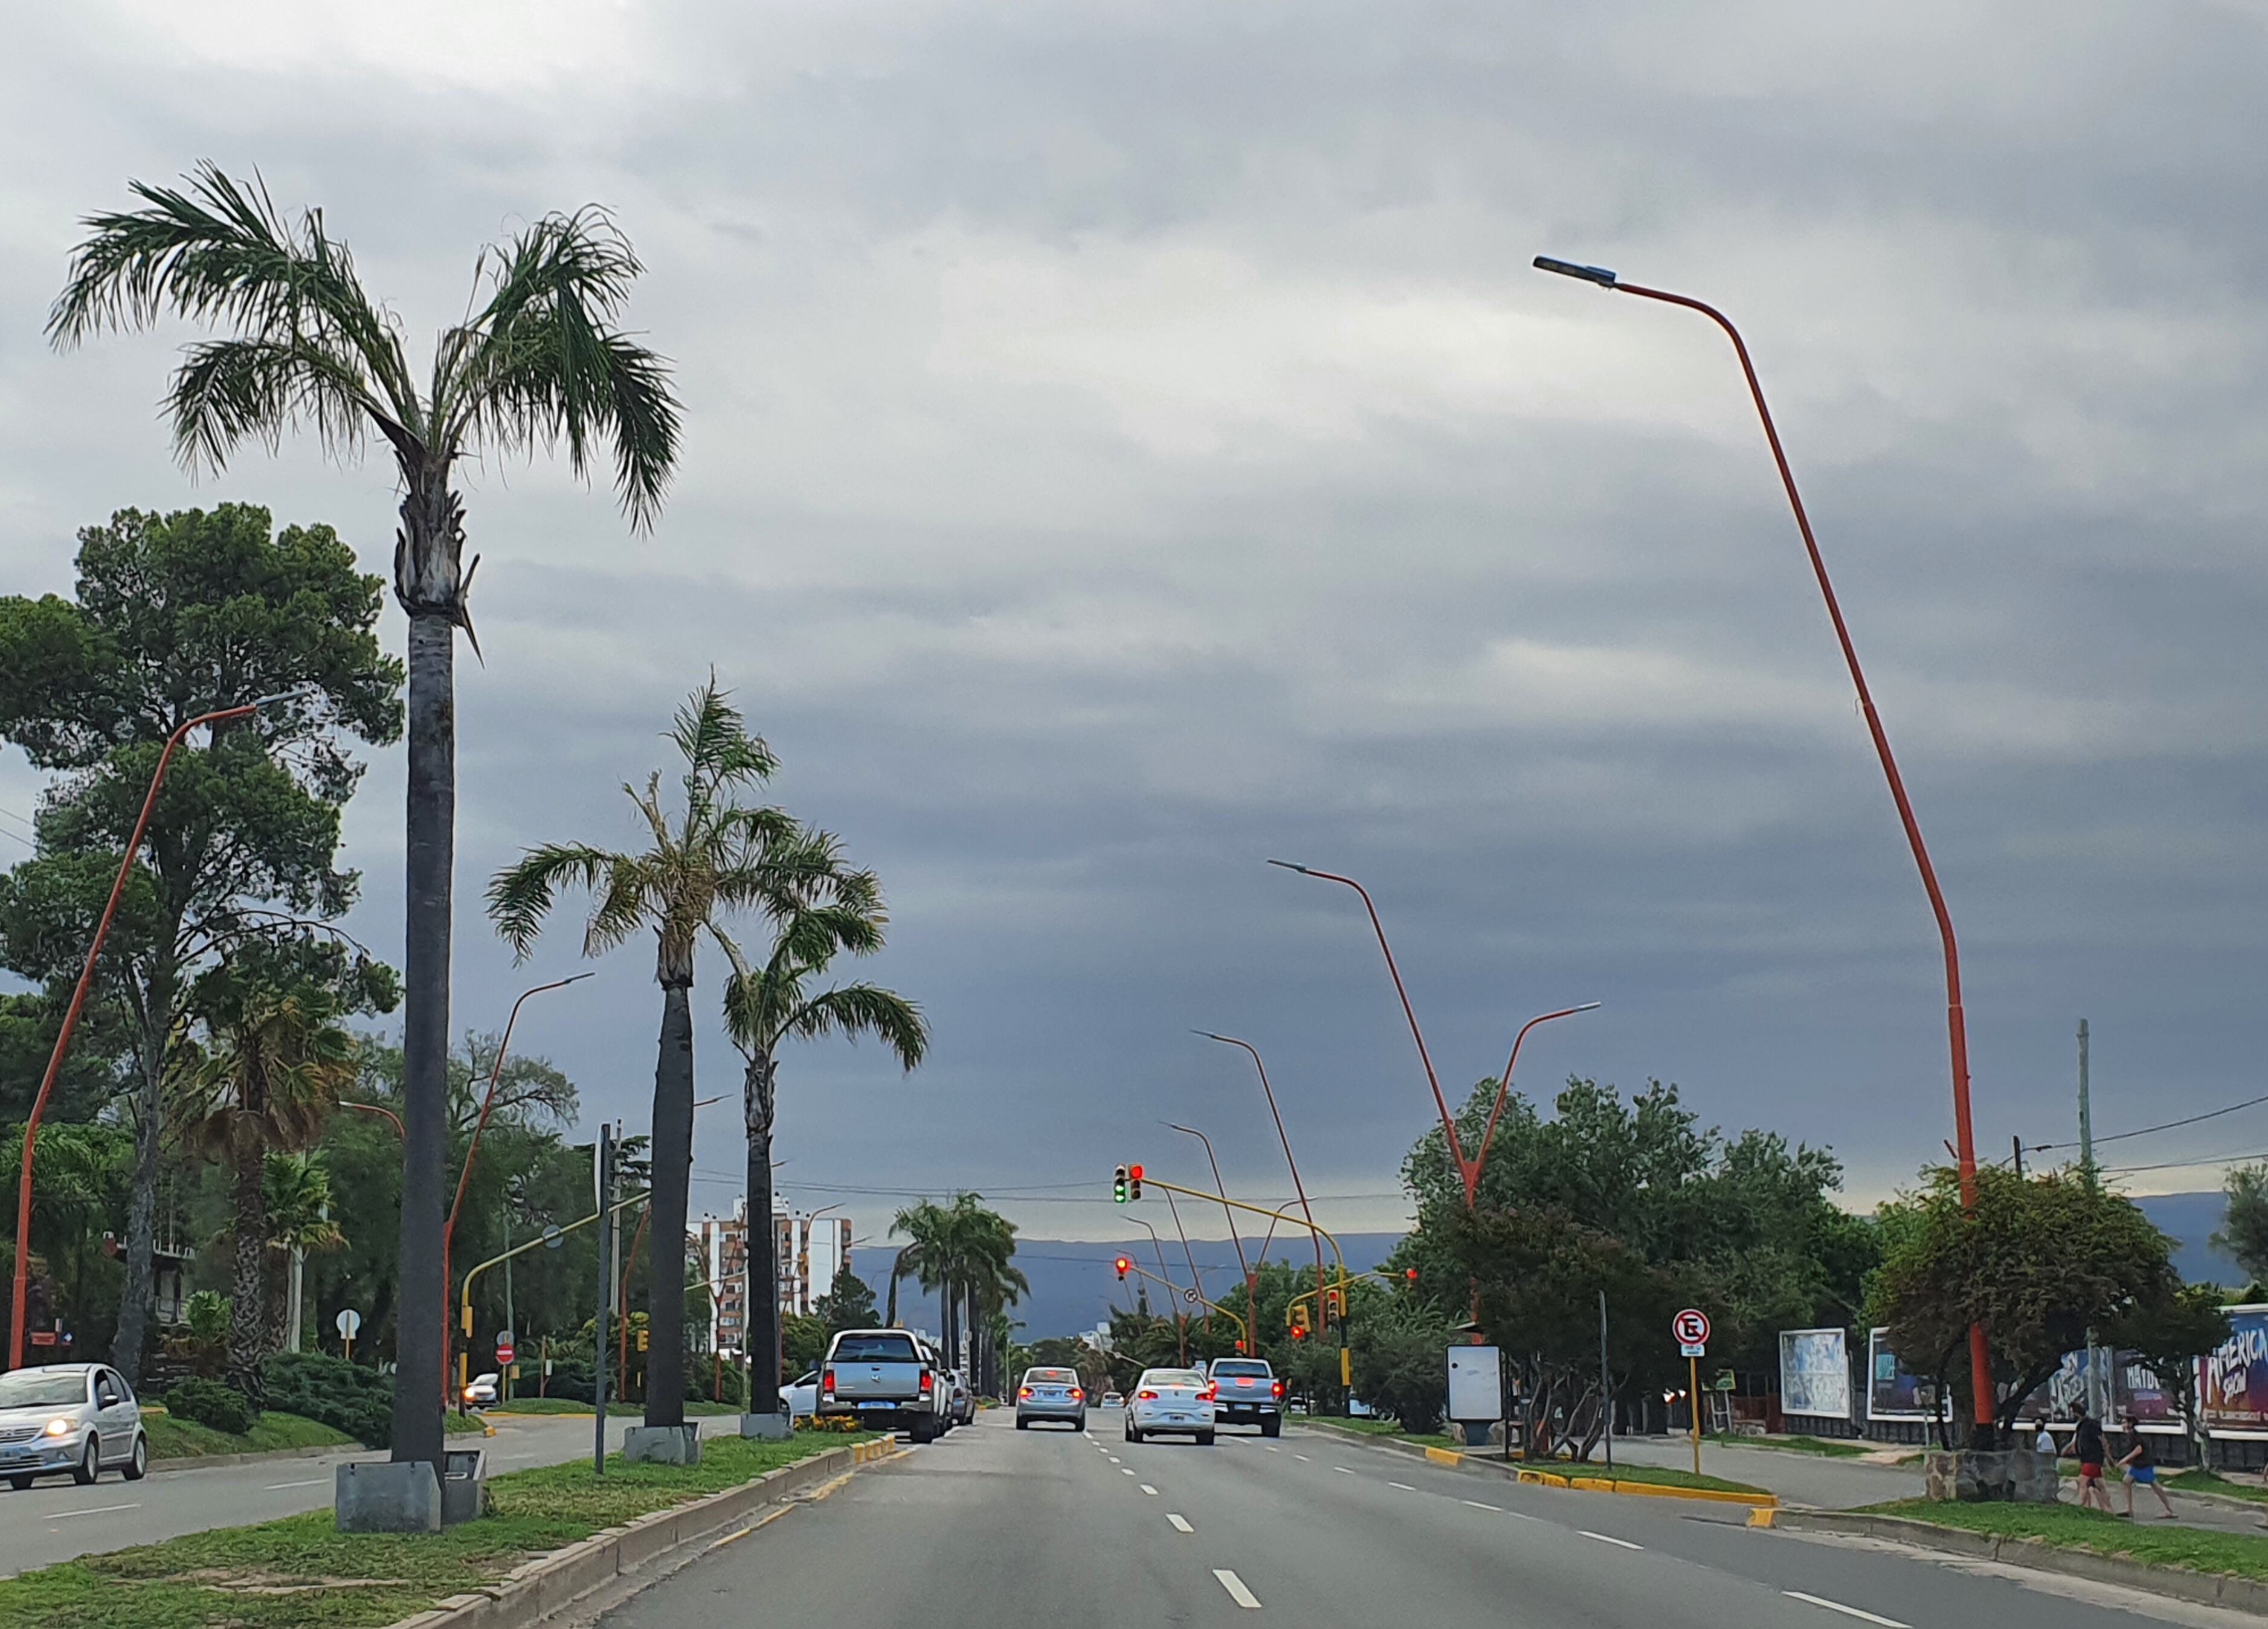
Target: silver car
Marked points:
1051	1394
78	1419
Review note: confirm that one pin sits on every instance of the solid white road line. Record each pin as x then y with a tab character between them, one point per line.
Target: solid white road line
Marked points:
273	1486
1181	1524
1477	1505
66	1515
1605	1538
1237	1592
1404	1487
1149	1490
1848	1611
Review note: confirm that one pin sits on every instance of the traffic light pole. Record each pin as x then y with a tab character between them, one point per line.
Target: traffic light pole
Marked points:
1257	1210
1128	1265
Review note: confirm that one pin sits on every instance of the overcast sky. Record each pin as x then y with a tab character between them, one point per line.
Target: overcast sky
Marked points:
1125	441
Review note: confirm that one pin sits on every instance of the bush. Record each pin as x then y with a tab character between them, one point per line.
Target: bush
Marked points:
209	1403
358	1401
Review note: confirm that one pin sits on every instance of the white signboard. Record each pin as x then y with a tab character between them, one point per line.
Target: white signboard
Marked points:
349	1322
1814	1373
1475	1384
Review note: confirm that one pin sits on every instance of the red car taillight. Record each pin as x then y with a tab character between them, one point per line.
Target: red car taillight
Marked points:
1078	1396
826	1382
1024	1392
1278	1388
1210	1394
929	1382
1146	1396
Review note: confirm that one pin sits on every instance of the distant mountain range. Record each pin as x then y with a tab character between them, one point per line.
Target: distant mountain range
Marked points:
1073	1287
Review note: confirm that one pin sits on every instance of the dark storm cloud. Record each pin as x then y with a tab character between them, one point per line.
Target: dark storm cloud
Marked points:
1126	443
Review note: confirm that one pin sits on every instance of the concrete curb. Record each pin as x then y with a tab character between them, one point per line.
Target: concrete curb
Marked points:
2242	1594
221	1462
548	1584
1548	1479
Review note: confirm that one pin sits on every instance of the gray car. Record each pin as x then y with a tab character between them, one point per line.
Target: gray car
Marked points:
78	1420
1051	1394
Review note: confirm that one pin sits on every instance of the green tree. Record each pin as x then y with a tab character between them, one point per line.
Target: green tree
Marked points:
965	1253
2169	1336
718	855
298	1201
769	1003
2243	1232
2039	1262
174	616
537	360
1401	1366
847	1304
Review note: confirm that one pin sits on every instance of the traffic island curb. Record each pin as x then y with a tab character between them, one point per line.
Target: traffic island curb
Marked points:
547	1585
1532	1477
2223	1590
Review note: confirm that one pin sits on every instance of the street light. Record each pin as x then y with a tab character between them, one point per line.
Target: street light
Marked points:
1251	1295
1180	1318
1298	1186
19	1304
1955	1021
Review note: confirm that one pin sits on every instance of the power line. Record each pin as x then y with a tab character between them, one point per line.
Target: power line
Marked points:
2145	1131
2228	1159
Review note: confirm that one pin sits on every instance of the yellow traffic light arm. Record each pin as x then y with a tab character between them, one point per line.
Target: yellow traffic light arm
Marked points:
1178	1293
1306	1295
1257	1210
543	1238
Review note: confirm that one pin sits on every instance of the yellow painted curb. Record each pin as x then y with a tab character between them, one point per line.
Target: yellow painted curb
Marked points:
1761	1517
1542	1479
1647	1490
867	1453
1444	1457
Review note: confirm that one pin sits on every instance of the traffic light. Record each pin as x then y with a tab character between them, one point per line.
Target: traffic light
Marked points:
1121	1264
1239	1348
645	1338
1334	1306
1134	1176
1118	1192
1299	1320
1410	1273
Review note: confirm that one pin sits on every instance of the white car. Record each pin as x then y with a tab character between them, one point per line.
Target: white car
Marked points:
77	1419
800	1396
483	1391
1170	1402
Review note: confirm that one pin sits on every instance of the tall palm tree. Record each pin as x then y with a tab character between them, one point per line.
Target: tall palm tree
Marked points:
716	856
267	1086
298	1201
537	360
768	1005
926	1227
962	1251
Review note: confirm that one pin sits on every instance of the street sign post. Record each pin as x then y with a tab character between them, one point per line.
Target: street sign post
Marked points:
1691	1329
505	1350
348	1325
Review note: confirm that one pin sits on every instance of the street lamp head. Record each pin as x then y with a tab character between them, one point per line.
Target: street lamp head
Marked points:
1290	865
1588	1007
1599	274
307	692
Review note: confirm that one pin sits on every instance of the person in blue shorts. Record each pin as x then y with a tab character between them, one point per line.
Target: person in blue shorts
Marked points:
2140	1472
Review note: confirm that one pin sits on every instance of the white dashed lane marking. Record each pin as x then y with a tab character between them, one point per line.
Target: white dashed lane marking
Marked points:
1149	1490
1848	1611
1404	1487
1607	1539
1303	1459
66	1515
1237	1592
1180	1524
1477	1505
275	1486
1123	1471
1341	1469
1271	1448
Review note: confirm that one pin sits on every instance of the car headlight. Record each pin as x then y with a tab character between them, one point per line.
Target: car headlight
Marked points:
61	1428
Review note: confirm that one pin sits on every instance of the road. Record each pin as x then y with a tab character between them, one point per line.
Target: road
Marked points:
55	1520
998	1529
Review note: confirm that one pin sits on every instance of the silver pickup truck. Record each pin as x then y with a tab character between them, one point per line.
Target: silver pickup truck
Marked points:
884	1378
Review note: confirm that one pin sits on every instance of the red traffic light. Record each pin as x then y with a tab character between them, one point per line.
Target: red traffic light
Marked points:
1121	1264
1410	1273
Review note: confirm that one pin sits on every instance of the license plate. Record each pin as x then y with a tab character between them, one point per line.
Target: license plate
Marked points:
1052	1396
878	1404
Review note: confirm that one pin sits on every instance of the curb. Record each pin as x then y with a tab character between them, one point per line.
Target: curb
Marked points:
221	1462
548	1584
1547	1479
2223	1590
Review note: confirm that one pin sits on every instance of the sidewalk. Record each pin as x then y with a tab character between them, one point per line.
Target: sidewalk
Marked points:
1835	1483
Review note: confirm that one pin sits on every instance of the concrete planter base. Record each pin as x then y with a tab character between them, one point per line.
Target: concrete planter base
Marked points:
662	1445
1981	1476
768	1427
387	1499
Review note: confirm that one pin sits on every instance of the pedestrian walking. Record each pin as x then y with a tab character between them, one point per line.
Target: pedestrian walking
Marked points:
2141	1470
2087	1448
2045	1442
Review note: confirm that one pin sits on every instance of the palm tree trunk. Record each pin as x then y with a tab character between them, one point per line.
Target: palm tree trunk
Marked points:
248	1322
890	1318
672	1174
757	1102
432	813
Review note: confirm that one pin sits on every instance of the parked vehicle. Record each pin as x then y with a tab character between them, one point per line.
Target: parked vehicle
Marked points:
1246	1392
1114	1399
963	1409
80	1418
483	1390
1051	1394
800	1396
884	1378
1171	1402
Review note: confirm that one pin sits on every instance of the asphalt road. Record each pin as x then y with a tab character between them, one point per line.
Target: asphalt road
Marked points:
996	1529
57	1519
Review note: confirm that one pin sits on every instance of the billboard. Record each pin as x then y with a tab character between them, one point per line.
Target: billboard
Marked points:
1814	1373
2234	1396
1893	1390
2133	1391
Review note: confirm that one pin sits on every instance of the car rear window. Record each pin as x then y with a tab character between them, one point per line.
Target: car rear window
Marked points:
1052	1376
1173	1378
1232	1369
884	1349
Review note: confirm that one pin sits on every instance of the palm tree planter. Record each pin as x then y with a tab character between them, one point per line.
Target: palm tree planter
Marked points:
716	856
539	360
764	1006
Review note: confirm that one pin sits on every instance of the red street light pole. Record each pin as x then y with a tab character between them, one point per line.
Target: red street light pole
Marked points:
1251	1293
1472	1174
372	1108
1955	1023
1300	1188
18	1305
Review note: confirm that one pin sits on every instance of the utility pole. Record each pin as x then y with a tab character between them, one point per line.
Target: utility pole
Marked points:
2019	1143
1606	1386
2097	1397
603	1158
503	1376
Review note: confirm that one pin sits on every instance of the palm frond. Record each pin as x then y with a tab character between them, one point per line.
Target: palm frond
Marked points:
851	1010
227	390
521	896
712	736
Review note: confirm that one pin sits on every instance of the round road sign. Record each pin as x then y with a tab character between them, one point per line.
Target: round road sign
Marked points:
1190	1297
349	1322
505	1350
551	1239
1691	1327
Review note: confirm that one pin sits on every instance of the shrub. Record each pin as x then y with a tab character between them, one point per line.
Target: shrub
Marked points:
209	1403
338	1394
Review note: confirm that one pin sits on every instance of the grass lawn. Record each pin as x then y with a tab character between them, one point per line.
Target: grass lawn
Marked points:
185	1439
2197	1481
2067	1527
302	1574
1824	1446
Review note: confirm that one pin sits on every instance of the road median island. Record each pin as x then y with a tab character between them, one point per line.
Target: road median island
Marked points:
2191	1564
552	1536
1644	1481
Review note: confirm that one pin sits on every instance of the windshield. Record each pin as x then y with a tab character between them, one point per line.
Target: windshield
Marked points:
32	1390
1050	1376
1258	1371
882	1348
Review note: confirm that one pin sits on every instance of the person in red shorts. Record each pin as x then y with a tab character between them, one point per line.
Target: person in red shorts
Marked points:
2086	1447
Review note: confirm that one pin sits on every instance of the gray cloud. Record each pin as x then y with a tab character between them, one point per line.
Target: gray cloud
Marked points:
1126	443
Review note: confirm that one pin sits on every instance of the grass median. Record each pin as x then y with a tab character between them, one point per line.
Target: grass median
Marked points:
2066	1527
1824	1447
301	1572
186	1439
